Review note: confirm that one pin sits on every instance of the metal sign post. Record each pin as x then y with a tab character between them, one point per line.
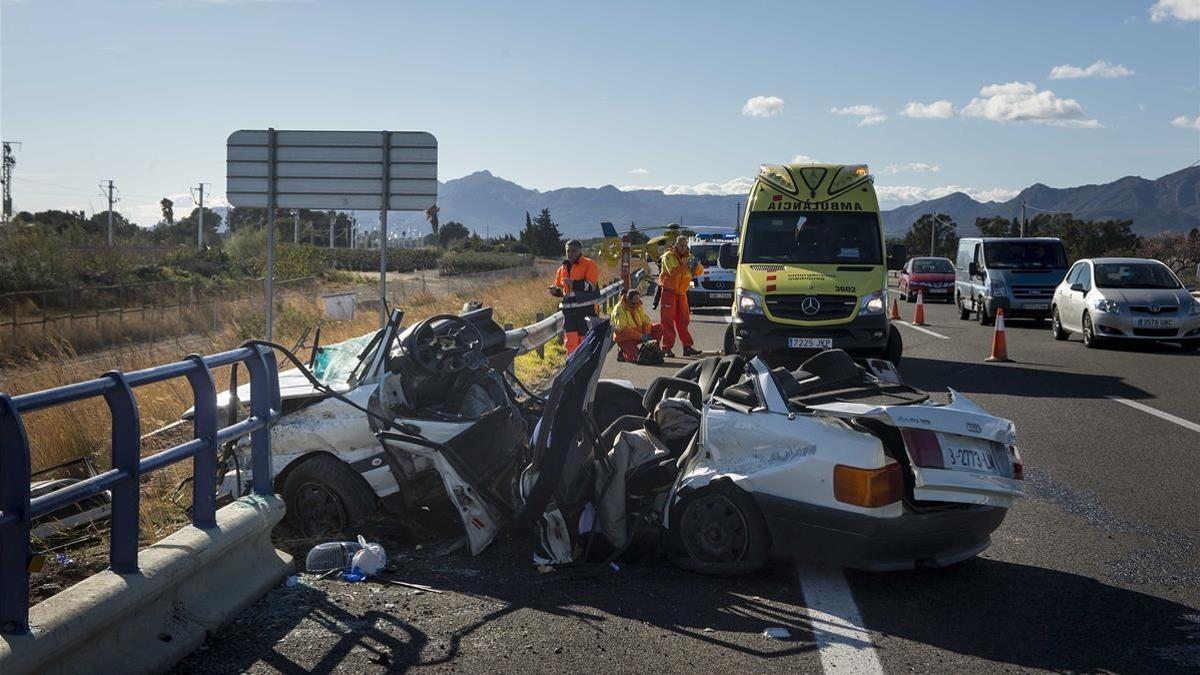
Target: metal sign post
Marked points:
340	170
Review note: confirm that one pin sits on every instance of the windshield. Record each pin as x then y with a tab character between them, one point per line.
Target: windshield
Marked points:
1134	275
813	237
706	254
1037	255
932	266
338	362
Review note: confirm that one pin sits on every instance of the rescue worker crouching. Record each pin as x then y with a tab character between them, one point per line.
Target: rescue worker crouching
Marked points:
578	284
632	326
677	269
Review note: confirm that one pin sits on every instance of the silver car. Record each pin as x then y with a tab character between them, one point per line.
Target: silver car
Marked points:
1107	299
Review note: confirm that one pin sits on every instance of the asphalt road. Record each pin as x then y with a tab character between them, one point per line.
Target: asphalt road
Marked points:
1097	569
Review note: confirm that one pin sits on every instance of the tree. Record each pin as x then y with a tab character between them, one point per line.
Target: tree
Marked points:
998	226
945	241
450	231
1176	250
168	210
635	236
431	214
1086	239
541	235
98	224
187	226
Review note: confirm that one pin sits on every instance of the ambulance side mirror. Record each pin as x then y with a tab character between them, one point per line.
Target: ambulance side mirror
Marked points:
728	258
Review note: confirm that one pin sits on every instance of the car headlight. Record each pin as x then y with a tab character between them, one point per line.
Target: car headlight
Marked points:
749	302
1106	305
1195	310
873	303
997	288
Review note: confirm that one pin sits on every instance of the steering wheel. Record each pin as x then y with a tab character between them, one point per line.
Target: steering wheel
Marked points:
447	353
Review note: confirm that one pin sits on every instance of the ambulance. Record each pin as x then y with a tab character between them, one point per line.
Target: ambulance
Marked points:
811	266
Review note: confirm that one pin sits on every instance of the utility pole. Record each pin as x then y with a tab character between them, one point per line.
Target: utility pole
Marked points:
1022	219
737	216
353	230
200	220
110	212
9	163
332	225
296	226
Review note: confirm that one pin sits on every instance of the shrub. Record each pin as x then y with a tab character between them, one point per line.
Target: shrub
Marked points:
455	263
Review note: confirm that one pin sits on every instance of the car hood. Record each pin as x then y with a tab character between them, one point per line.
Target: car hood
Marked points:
1147	296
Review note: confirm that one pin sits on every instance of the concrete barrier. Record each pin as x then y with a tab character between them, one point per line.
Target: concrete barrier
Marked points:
190	583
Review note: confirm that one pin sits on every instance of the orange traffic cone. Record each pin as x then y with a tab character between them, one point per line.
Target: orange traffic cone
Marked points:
919	319
895	307
999	343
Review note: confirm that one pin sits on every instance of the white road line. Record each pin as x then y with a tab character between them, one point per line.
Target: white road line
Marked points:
1157	413
923	330
845	646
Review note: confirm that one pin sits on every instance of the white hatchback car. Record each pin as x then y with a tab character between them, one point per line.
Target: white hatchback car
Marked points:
1125	299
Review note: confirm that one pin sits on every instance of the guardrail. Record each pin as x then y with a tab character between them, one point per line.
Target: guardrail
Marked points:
17	511
535	335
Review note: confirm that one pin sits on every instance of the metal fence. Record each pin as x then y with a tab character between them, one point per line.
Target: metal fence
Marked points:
17	510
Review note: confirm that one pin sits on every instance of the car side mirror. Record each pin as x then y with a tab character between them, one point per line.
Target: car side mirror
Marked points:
1078	288
973	269
728	257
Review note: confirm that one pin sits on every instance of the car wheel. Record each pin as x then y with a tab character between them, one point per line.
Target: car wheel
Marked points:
730	346
982	311
325	496
1056	328
964	313
718	529
895	346
1089	333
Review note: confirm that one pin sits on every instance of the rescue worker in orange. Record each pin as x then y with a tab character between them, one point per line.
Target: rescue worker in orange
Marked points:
578	284
677	269
632	326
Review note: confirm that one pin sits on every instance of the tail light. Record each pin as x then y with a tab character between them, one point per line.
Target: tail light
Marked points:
868	487
1017	462
923	447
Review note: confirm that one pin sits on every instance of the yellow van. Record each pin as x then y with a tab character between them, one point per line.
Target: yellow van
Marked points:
811	268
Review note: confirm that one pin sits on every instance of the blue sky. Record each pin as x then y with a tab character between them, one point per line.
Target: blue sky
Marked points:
690	96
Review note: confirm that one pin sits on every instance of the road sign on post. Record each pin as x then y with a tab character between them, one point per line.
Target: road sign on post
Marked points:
344	170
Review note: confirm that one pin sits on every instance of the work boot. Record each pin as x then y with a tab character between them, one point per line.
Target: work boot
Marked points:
688	351
668	354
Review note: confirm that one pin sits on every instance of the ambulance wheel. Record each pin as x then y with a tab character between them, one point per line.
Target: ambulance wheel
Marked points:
730	346
894	348
324	496
719	530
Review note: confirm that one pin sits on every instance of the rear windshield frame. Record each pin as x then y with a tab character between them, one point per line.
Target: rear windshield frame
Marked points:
991	247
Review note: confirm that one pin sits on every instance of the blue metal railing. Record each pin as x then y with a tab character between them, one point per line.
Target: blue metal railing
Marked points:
17	511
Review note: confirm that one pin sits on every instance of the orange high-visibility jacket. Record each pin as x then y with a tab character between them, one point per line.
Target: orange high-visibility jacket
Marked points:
676	273
585	269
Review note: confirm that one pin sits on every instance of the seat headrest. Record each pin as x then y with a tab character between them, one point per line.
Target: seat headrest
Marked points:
832	365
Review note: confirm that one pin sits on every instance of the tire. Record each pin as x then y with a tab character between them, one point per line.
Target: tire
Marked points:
982	311
324	496
719	530
895	346
964	313
1056	328
1089	333
730	345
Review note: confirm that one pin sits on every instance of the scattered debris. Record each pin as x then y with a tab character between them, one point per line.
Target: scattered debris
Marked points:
406	584
615	567
292	581
332	555
777	633
370	558
545	569
64	560
353	575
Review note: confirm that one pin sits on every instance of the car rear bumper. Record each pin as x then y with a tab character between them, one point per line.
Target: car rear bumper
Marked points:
703	297
863	337
914	540
1019	309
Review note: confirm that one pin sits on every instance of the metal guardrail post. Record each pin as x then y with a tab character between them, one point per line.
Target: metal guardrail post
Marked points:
15	552
541	349
264	393
204	463
126	458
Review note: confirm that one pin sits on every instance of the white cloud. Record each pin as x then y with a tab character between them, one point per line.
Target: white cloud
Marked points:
867	114
731	187
639	172
1182	10
763	106
1022	102
916	167
1101	69
1185	122
895	195
937	110
805	159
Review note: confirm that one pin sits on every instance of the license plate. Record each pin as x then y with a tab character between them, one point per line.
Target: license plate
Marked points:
1156	323
936	291
721	296
1036	305
810	343
963	453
